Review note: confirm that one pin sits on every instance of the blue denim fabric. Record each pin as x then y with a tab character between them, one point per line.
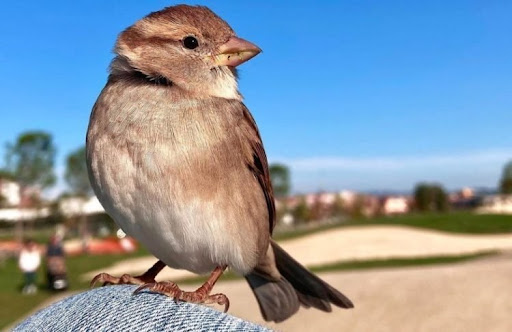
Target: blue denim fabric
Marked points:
114	308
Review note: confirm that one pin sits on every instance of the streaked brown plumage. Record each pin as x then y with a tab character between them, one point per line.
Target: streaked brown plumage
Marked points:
176	159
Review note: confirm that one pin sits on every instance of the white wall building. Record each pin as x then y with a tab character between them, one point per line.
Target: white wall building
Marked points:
74	206
15	214
395	205
498	204
348	197
10	191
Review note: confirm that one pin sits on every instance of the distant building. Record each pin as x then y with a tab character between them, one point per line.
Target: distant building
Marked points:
10	192
467	193
289	202
12	195
462	195
75	206
496	204
327	198
14	214
352	203
464	199
370	205
13	199
395	205
348	197
311	199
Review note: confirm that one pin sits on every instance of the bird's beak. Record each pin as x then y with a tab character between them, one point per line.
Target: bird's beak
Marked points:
236	51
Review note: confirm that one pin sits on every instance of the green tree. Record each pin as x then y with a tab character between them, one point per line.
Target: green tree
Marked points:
3	201
31	158
440	198
280	178
30	161
76	174
5	175
302	213
357	210
430	198
317	211
506	179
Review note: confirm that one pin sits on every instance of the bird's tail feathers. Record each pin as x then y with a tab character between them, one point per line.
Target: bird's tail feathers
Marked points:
278	300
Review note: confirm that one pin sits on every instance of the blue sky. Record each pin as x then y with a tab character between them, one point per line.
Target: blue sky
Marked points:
358	95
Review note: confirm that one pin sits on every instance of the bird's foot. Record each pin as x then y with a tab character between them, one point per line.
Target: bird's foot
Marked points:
170	289
125	279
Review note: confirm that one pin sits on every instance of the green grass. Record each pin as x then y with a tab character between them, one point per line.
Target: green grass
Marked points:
369	264
40	236
455	222
400	262
14	304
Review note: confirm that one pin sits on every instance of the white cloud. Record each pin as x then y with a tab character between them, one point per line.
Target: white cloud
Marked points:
398	163
471	168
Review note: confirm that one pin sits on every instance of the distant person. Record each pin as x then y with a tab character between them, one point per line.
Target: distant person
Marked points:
29	262
56	265
86	239
54	248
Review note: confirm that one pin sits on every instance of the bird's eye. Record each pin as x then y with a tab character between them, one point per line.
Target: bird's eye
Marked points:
190	42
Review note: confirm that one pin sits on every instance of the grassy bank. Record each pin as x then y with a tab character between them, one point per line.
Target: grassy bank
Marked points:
370	264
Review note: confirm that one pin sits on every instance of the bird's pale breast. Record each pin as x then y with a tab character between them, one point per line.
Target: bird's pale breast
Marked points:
172	173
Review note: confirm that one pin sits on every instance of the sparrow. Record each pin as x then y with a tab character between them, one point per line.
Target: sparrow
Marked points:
176	159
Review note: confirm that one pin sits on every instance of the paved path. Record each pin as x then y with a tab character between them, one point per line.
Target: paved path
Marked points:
471	296
353	243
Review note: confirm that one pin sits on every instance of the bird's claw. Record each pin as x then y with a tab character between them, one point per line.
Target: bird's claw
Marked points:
125	279
172	290
220	299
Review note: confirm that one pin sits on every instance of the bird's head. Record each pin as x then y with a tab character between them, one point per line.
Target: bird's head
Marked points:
188	45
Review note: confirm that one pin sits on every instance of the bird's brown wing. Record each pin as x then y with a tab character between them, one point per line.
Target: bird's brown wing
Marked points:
258	164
